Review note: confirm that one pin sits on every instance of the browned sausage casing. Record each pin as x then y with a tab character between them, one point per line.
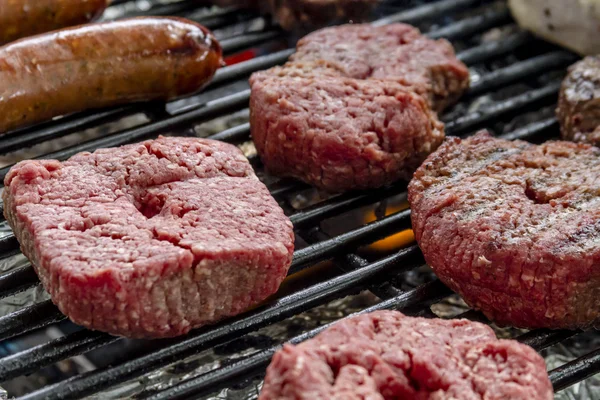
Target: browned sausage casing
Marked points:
103	64
20	18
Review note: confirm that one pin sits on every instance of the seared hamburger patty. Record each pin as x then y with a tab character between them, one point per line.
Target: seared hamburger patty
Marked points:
339	133
392	52
579	102
386	355
514	228
150	239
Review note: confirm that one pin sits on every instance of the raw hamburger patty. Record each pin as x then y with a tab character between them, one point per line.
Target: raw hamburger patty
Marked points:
339	133
579	102
392	52
151	239
514	228
388	356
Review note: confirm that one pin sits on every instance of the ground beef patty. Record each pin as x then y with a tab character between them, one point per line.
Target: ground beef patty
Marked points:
386	355
392	52
579	102
514	228
339	133
151	239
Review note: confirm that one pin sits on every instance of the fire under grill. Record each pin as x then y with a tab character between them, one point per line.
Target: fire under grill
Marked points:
515	82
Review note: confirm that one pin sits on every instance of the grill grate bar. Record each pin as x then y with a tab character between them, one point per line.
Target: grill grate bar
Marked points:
243	69
417	299
342	203
28	319
488	50
365	234
540	339
17	280
428	11
498	109
35	358
520	70
201	339
248	40
545	128
468	26
575	371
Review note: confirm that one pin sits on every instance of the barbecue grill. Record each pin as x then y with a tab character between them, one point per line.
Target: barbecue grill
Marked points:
515	82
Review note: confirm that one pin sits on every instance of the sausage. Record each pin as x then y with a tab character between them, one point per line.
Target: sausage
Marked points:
20	18
104	64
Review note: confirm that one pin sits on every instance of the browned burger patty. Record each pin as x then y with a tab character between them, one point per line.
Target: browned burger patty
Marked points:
514	228
579	102
103	64
20	18
386	355
395	52
340	133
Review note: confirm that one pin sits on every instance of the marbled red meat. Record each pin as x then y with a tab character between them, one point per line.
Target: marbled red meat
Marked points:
150	239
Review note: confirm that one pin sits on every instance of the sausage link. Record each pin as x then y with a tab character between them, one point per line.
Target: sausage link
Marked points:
21	18
103	64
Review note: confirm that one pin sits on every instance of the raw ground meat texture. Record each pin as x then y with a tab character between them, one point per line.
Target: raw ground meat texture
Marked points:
340	133
514	228
151	239
397	52
386	355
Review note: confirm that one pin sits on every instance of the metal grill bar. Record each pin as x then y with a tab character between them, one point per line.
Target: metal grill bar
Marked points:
428	11
469	26
498	109
575	371
503	76
250	39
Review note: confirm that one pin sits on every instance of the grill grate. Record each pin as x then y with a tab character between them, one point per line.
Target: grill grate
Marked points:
357	273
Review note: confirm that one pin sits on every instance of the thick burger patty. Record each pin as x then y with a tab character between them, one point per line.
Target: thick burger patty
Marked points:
339	133
386	355
151	239
392	52
514	228
579	102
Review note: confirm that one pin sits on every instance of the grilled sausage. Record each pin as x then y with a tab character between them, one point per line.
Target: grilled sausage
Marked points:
20	18
103	64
